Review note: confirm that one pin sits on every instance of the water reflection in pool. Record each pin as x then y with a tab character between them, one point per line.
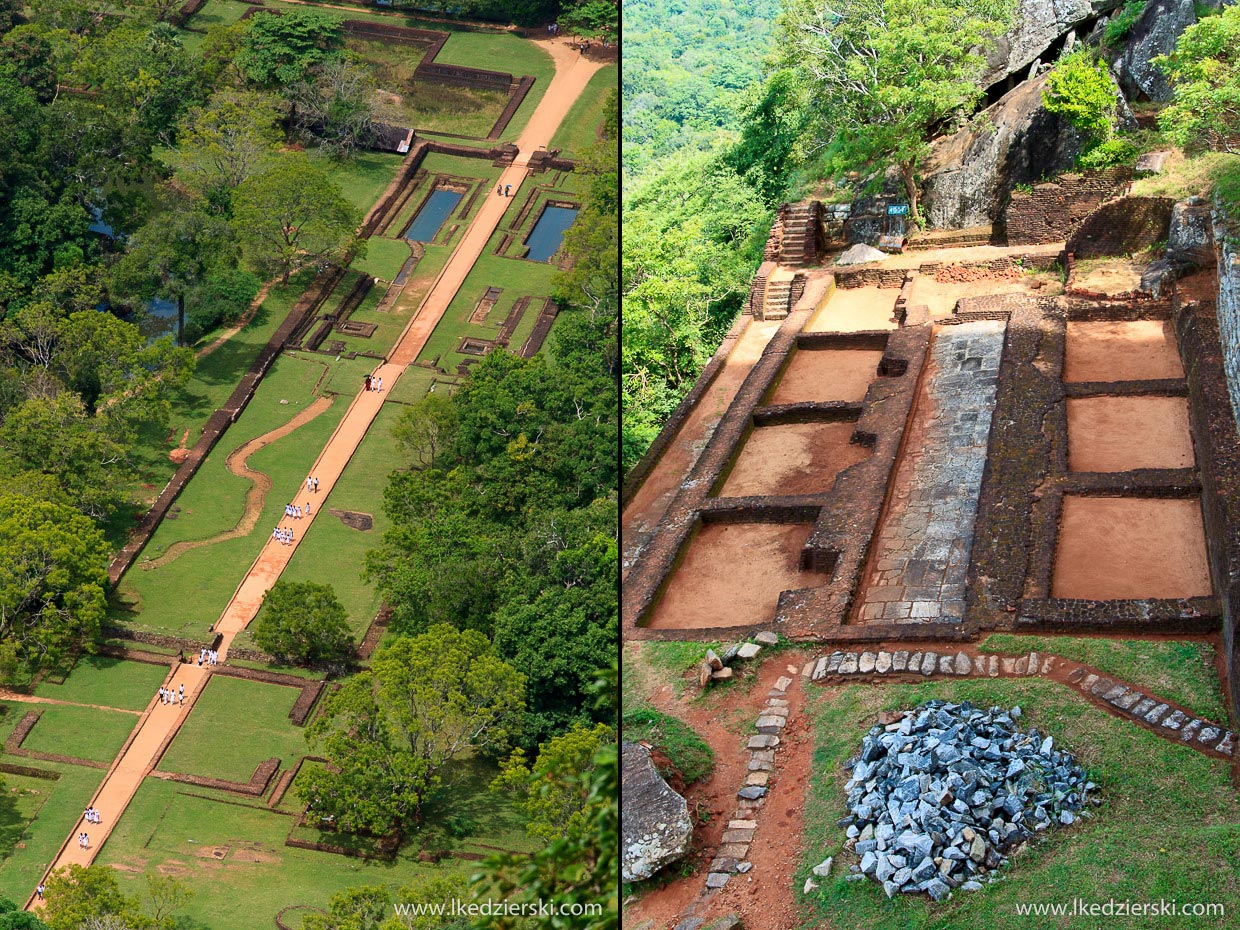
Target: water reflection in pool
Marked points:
548	233
436	209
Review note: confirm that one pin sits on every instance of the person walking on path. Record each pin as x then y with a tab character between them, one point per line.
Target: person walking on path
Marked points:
39	891
307	510
309	485
182	694
507	190
368	382
316	485
499	189
379	385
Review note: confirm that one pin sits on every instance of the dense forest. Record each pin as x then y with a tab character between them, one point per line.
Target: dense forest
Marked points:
707	137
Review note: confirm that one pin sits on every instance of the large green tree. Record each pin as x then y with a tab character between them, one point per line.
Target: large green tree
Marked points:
890	75
280	48
227	141
391	732
293	216
304	623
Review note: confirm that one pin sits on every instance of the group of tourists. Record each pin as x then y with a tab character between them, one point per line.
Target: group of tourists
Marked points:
168	696
504	190
208	657
374	383
92	816
296	511
283	536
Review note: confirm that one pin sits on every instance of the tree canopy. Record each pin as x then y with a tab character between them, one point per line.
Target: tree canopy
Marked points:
1204	71
304	623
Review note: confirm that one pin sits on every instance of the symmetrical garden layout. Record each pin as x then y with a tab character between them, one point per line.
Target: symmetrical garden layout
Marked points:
202	787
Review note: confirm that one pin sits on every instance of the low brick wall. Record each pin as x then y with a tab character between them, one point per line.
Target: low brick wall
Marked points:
254	788
1121	227
1051	212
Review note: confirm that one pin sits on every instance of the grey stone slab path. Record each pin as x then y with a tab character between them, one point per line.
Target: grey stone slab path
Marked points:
1119	698
923	547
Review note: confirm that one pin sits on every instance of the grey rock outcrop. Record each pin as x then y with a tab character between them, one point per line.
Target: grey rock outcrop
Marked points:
1190	245
1036	27
654	820
1154	33
859	254
1016	141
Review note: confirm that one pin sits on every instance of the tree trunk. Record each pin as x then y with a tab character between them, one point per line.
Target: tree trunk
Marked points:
907	170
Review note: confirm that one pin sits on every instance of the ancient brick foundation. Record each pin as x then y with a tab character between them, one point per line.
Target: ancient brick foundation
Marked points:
1051	212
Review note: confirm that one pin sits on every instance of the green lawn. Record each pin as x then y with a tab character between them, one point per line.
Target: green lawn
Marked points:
580	128
81	732
1183	672
365	177
1169	827
108	682
174	829
35	817
185	596
236	724
383	259
330	542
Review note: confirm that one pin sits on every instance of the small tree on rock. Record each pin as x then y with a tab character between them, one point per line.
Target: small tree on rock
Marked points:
304	623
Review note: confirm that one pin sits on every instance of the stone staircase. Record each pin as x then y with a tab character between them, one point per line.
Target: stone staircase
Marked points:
801	242
777	301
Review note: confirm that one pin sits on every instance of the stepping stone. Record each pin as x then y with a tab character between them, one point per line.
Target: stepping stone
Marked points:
717	880
767	638
1190	730
963	664
1174	720
1156	714
1101	687
914	662
1227	744
758	778
748	651
1046	664
1088	682
945	665
770	725
849	664
1009	666
807	668
742	824
763	741
762	755
1142	707
882	664
783	683
775	710
994	667
1022	665
833	664
820	669
760	765
899	661
792	670
690	923
737	836
713	660
866	663
1126	702
776	702
928	662
1076	675
751	792
724	864
1208	735
734	850
1034	662
724	674
1117	692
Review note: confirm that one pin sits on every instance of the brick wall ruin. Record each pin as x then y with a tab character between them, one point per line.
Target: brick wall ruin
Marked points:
1052	211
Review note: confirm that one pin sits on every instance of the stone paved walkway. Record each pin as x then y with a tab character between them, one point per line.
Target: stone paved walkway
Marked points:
1121	699
922	551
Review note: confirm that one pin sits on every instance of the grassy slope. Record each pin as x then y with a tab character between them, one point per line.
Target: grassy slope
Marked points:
580	127
107	682
1169	827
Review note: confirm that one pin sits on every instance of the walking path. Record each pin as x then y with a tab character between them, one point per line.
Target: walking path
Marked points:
159	723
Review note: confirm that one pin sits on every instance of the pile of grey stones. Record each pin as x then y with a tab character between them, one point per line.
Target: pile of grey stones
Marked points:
946	794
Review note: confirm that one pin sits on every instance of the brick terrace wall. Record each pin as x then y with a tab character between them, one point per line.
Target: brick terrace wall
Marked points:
1053	211
1130	224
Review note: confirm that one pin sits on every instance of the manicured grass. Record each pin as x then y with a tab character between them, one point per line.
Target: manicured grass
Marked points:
175	829
364	177
688	753
580	128
416	383
36	818
81	732
391	323
187	595
330	543
503	52
1169	826
384	259
109	682
236	724
1183	672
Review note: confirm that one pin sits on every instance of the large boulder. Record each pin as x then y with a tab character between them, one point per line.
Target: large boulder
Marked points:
1037	25
969	175
1190	238
1153	34
654	820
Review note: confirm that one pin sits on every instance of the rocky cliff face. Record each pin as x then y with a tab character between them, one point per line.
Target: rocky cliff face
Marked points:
1016	141
1153	34
1037	26
654	821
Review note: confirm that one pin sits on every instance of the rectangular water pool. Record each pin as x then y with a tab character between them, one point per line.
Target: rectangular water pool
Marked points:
438	206
548	233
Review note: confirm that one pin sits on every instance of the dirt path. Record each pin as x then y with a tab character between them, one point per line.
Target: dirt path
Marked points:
159	724
6	695
240	324
256	497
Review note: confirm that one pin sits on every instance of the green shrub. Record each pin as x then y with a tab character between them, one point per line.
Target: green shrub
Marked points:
1108	154
688	753
1080	89
1121	24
